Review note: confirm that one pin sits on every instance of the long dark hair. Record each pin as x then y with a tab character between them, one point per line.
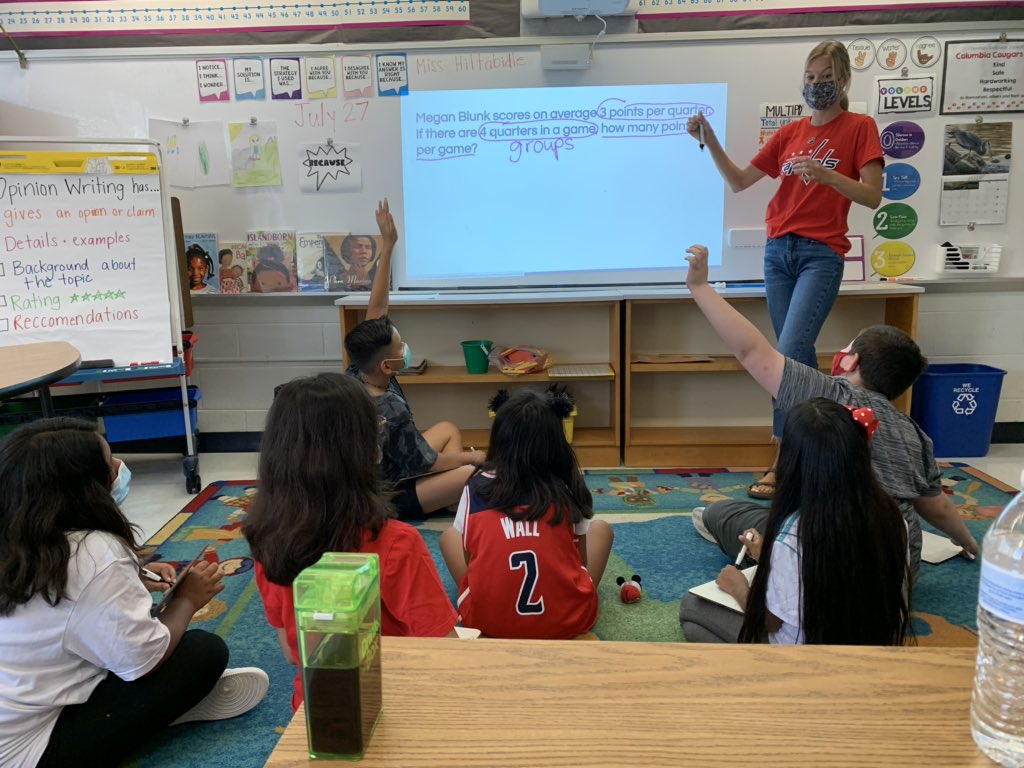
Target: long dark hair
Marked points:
55	479
855	580
534	465
319	485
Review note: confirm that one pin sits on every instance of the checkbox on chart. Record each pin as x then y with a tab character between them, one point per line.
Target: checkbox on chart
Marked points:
3	300
2	273
4	325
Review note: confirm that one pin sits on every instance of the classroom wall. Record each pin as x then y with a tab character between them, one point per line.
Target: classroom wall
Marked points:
117	94
246	348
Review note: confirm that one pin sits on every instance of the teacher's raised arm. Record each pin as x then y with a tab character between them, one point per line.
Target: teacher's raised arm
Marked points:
825	161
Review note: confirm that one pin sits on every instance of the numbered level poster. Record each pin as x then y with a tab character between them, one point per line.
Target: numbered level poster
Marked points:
82	254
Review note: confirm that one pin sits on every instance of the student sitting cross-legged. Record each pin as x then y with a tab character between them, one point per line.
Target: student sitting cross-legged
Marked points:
320	492
87	675
876	367
832	562
524	549
428	469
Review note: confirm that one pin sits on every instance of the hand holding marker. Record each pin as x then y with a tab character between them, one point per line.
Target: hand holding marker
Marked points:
749	536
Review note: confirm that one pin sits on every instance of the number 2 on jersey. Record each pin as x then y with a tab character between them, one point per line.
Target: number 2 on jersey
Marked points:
526	605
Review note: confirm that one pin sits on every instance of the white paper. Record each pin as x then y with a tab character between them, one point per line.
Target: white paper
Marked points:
98	278
937	549
194	155
711	591
329	167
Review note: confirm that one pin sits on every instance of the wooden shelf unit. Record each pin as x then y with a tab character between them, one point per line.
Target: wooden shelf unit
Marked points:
683	444
435	330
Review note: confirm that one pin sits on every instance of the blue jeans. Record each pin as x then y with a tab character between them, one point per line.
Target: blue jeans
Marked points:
801	280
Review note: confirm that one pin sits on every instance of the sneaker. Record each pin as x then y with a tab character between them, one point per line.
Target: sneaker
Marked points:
697	517
237	691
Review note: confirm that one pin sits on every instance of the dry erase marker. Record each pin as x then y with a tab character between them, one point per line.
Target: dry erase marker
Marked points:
743	550
150	575
700	129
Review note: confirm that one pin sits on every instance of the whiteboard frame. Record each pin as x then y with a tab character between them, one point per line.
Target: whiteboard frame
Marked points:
170	254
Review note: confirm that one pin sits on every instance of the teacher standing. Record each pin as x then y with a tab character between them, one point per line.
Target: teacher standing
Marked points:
826	162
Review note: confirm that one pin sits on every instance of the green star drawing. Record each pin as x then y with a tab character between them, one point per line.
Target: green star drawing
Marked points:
74	298
98	296
120	294
108	295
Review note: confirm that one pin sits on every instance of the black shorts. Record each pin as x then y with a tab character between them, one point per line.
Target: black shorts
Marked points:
406	502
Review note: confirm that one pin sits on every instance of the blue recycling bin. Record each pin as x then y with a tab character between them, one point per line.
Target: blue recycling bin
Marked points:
955	404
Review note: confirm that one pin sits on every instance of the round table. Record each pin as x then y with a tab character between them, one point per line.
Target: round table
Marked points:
27	367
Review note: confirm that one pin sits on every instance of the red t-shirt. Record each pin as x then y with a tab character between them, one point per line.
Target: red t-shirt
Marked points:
413	601
802	207
525	578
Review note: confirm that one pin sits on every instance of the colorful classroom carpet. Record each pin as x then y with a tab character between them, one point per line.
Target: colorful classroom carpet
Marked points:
648	510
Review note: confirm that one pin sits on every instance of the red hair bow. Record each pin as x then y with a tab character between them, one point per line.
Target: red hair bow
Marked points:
865	417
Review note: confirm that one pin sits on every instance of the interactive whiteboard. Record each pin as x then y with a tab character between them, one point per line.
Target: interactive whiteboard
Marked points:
543	186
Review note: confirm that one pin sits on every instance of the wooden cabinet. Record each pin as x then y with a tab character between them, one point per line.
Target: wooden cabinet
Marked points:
578	328
649	411
705	410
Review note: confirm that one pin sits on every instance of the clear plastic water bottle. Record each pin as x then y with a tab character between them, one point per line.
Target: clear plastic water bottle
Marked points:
997	705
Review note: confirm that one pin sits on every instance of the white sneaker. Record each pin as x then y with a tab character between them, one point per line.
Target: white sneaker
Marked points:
237	691
697	517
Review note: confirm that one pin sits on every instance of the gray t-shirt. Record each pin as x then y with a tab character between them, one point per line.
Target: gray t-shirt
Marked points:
900	452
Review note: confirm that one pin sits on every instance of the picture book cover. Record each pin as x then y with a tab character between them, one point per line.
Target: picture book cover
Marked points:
272	260
309	253
235	269
350	261
200	248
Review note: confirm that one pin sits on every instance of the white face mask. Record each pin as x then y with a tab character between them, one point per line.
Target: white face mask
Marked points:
119	490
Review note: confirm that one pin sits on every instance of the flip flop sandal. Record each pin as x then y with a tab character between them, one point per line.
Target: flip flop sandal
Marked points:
770	484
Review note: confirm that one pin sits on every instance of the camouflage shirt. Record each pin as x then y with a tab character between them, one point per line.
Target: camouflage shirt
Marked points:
405	452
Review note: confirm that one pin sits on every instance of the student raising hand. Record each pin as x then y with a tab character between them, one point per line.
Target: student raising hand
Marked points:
381	288
386	224
697	275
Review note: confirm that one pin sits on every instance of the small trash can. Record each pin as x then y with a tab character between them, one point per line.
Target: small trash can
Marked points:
955	404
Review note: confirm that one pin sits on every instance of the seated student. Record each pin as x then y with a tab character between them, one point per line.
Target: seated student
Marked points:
876	367
308	503
833	560
427	470
87	675
524	549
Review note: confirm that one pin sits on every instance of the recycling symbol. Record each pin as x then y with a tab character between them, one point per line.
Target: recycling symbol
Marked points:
965	404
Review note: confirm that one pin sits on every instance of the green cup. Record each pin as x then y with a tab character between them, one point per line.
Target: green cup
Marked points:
476	353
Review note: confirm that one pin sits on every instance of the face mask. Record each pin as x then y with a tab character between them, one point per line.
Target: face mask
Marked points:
119	490
837	360
821	95
406	357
